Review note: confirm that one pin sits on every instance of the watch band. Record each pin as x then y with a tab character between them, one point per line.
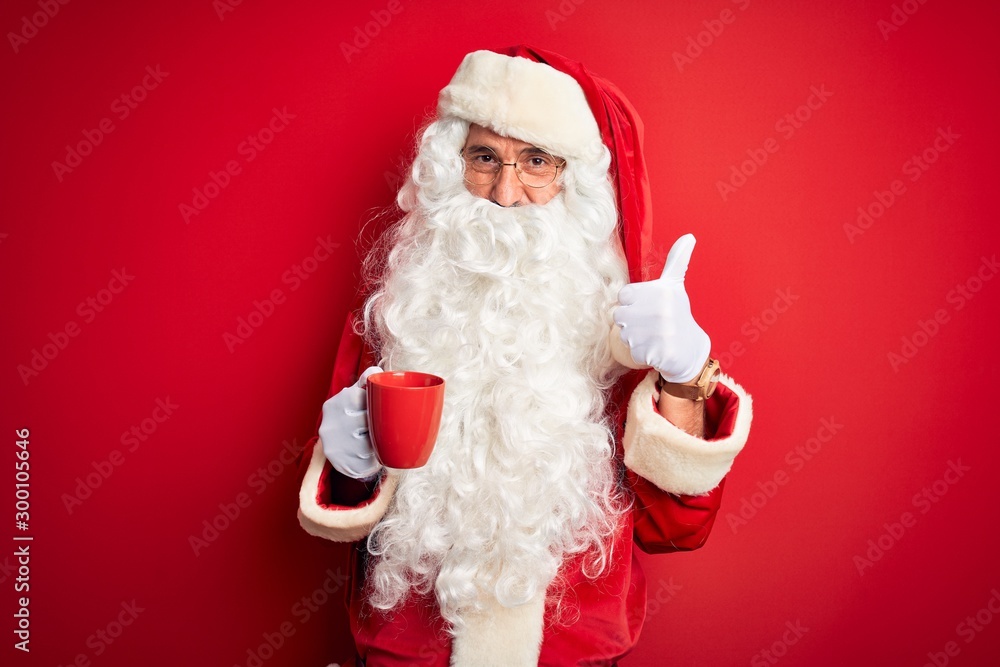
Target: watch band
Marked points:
703	386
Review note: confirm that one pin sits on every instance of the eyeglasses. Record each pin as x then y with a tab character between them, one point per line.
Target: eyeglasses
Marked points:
534	167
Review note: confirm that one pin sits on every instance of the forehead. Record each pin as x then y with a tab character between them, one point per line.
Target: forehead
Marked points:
483	136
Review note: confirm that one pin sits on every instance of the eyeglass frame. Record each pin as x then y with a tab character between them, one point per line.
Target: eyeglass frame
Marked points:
561	162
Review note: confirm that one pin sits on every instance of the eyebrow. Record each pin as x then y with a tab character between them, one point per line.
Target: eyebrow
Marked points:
526	149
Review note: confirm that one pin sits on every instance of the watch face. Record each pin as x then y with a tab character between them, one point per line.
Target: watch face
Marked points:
714	380
708	373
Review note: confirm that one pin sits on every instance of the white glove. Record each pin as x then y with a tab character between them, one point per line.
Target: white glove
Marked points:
656	322
344	430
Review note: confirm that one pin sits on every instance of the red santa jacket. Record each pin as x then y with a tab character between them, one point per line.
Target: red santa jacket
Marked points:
675	480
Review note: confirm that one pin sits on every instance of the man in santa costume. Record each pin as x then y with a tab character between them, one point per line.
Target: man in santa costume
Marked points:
583	414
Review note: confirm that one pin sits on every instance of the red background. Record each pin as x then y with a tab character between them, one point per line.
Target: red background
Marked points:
825	357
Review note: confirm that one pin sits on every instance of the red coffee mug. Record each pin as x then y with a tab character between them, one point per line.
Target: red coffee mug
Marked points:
404	414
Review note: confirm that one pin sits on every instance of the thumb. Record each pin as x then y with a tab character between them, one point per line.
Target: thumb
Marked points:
678	258
371	370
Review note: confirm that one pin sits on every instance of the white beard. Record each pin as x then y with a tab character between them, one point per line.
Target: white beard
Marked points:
513	308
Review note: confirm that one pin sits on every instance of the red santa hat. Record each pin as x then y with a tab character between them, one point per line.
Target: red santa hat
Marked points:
557	104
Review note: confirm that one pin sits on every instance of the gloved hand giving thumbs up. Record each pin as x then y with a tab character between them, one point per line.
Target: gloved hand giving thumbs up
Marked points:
656	321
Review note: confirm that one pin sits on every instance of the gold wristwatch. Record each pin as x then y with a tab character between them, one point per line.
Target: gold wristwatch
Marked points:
698	389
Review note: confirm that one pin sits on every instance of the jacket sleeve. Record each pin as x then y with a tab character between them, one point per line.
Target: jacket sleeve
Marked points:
677	479
331	505
334	506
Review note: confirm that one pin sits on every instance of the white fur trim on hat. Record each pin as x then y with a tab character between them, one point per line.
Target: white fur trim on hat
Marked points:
526	100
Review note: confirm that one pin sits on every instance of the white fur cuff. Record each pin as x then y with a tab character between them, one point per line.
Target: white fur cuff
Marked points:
673	460
342	524
525	100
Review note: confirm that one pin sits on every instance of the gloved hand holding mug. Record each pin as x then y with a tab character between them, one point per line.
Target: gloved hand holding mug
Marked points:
344	431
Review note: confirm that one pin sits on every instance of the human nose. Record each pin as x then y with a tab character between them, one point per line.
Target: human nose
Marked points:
507	188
